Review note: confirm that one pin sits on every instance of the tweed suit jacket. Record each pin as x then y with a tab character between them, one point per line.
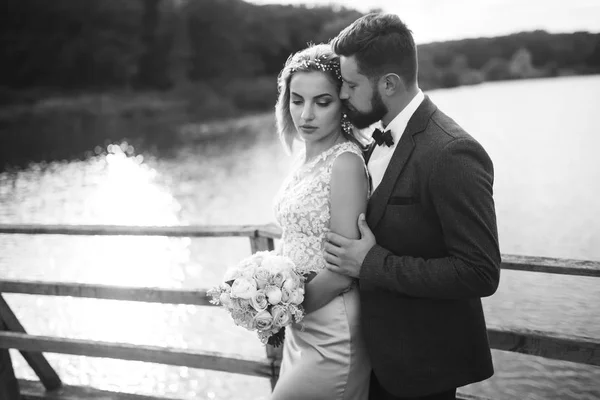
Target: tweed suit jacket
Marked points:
436	255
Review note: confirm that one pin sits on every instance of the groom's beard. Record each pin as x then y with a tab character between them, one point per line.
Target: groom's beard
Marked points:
363	120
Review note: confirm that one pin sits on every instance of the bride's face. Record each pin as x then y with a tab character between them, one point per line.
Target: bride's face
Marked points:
315	105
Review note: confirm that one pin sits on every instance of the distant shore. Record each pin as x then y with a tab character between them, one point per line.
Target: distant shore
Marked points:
72	125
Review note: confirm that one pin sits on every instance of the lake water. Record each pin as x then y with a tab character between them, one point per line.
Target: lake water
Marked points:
541	134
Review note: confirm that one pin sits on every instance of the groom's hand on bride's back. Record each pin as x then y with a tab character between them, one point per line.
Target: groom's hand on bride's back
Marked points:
345	256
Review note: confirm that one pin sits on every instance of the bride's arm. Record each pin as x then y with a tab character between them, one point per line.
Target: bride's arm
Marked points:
349	186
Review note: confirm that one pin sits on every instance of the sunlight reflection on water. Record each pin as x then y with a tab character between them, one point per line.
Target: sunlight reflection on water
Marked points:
113	188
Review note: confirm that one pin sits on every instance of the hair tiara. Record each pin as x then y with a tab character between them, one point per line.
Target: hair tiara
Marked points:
322	63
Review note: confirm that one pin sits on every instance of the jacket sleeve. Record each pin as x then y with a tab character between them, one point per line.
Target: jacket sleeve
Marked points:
460	186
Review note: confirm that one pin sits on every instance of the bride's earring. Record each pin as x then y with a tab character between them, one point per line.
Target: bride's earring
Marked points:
346	125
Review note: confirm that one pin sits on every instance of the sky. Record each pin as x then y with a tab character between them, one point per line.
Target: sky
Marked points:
441	20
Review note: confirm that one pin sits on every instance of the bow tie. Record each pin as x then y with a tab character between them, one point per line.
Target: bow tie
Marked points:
383	137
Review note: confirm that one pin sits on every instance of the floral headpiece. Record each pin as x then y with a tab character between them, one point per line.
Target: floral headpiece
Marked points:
322	63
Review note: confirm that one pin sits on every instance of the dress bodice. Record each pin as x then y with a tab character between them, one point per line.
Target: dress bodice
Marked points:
302	208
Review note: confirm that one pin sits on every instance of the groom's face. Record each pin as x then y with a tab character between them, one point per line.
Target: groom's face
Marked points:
360	95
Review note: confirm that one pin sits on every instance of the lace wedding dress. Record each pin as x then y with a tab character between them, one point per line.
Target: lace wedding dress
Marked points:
324	356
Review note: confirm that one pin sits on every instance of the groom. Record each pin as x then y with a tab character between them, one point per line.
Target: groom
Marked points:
431	251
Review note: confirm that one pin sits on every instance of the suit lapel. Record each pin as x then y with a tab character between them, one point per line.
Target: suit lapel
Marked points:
369	150
367	155
404	149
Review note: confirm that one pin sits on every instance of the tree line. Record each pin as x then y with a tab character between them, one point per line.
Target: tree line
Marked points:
153	43
517	56
160	44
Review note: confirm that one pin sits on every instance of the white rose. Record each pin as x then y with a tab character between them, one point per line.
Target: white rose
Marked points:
292	283
286	296
231	274
225	299
272	264
261	276
273	294
243	288
281	316
263	320
248	273
277	279
297	296
257	258
259	300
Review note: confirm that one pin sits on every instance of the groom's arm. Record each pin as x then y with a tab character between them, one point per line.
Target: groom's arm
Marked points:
461	191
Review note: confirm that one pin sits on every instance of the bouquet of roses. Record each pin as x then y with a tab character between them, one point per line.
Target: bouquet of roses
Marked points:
262	293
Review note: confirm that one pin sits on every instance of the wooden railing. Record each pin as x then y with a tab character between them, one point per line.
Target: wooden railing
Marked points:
545	344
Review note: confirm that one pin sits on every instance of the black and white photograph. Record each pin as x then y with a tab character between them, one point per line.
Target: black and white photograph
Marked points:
299	200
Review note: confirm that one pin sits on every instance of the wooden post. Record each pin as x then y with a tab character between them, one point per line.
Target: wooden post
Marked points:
259	243
9	386
36	360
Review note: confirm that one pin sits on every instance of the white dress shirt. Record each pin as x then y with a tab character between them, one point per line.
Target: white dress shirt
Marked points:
381	156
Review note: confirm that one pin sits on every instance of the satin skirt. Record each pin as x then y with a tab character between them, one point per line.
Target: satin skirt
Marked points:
324	356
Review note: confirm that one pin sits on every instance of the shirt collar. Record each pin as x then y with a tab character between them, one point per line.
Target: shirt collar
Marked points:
399	123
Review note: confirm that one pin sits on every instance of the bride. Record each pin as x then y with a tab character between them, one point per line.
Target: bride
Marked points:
324	356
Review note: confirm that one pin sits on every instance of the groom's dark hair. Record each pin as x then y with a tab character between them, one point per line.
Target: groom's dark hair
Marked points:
381	44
